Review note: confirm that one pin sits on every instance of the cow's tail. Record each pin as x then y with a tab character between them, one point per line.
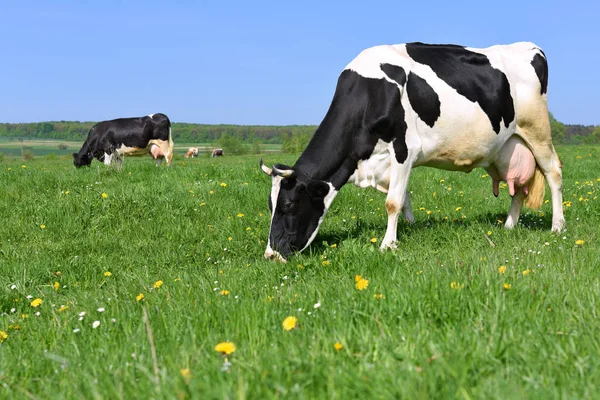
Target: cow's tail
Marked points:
537	189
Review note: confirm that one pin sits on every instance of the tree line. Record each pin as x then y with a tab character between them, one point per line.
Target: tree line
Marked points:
293	138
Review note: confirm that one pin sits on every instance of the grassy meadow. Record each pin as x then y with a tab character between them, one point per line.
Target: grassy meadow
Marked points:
120	284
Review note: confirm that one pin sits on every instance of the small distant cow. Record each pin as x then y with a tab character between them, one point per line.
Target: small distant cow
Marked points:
127	136
192	152
217	153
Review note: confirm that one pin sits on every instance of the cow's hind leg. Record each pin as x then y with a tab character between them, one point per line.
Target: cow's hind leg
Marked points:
540	144
397	200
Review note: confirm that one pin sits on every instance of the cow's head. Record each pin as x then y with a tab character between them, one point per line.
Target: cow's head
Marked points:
82	159
298	205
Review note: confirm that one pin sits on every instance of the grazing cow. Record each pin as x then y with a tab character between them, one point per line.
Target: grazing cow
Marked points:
217	153
403	106
192	152
127	136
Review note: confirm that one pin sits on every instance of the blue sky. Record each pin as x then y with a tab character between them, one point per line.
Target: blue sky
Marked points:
258	62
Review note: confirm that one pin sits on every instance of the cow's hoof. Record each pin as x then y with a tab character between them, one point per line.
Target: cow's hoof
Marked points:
558	226
388	246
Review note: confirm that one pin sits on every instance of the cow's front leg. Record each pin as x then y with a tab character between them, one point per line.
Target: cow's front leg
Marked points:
397	199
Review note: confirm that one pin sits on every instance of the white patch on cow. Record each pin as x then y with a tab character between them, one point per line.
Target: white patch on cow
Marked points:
151	115
375	171
327	201
275	188
368	62
133	151
107	159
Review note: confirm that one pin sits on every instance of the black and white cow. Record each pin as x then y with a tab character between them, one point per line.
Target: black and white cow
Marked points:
127	136
403	106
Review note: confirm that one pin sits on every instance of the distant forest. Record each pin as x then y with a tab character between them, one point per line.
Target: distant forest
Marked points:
292	137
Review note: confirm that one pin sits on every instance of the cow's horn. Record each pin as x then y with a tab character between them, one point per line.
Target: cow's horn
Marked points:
286	173
265	169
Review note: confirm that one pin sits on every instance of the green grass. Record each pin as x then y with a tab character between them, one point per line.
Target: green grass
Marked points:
424	339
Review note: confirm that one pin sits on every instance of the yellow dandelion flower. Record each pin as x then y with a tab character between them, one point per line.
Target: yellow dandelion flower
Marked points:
489	233
43	226
379	296
220	272
223	184
456	285
104	195
507	286
139	297
230	238
225	292
107	274
36	303
56	285
67	192
24	316
338	346
158	284
226	348
10	169
3	336
441	181
421	208
579	242
374	240
63	308
23	166
428	212
211	192
502	269
326	262
300	266
362	284
248	229
526	272
289	323
484	175
240	215
458	208
202	204
185	372
176	279
333	246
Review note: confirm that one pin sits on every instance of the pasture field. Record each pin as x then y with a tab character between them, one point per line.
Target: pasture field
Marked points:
446	315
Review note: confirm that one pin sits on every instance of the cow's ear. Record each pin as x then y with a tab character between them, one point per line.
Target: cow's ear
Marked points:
317	189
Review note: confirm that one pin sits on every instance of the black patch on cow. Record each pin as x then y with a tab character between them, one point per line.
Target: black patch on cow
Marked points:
423	99
395	73
363	110
472	76
540	65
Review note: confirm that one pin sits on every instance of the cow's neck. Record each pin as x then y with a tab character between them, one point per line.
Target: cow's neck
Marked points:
328	157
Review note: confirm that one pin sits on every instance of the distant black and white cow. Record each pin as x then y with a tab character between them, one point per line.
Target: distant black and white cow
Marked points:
116	138
403	106
217	153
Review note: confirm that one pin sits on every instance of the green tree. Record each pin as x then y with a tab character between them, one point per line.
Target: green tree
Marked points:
558	130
